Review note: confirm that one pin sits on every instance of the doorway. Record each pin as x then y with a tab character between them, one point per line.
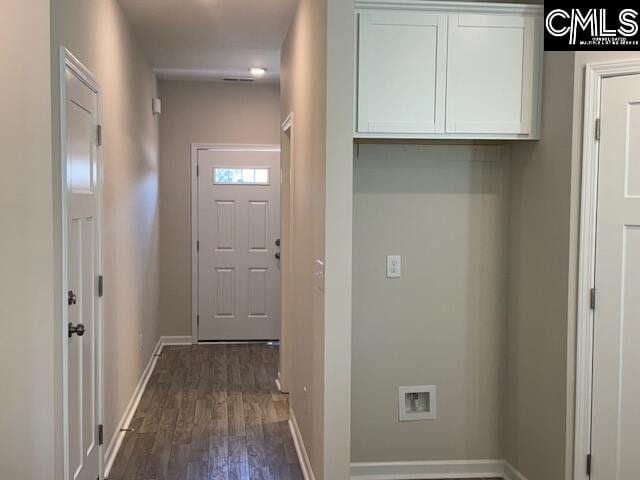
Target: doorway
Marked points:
607	384
236	242
81	227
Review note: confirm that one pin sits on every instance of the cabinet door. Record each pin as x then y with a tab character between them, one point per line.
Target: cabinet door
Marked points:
402	72
490	74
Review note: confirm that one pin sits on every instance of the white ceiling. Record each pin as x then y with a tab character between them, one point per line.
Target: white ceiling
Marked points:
211	38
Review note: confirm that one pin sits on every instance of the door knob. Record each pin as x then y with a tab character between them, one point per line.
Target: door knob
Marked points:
278	255
71	298
77	329
277	242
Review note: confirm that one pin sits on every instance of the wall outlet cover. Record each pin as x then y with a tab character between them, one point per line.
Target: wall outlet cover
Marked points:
394	266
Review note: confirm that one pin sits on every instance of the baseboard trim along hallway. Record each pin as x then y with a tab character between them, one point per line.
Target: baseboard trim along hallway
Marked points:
303	457
510	472
435	470
116	440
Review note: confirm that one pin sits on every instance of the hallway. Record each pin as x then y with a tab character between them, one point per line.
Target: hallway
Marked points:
210	412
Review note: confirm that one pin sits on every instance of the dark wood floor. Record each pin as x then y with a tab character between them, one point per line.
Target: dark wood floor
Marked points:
210	412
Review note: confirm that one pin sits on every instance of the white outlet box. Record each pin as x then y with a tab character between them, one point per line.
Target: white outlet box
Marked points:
417	403
394	266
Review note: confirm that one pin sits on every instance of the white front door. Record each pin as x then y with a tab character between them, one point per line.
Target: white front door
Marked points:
615	441
83	181
238	234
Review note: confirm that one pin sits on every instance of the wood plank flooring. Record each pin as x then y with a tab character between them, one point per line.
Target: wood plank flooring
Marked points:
210	412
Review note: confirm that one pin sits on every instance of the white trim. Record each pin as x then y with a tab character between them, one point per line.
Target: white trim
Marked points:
195	148
176	340
288	122
194	240
428	470
594	73
303	457
451	7
510	472
68	60
118	436
284	365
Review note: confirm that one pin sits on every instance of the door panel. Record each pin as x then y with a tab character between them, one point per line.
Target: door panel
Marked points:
83	264
402	69
616	360
238	225
489	86
225	226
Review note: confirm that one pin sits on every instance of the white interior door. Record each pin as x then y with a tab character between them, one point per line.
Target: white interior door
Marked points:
83	266
616	384
238	235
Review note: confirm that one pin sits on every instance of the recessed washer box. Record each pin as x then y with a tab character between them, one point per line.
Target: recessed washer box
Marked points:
417	402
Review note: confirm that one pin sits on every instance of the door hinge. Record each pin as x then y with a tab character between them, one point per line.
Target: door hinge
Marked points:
592	299
198	320
100	434
197	170
197	245
100	285
99	135
597	129
589	464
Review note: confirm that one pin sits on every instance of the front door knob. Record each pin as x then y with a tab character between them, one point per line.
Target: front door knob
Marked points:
77	329
278	255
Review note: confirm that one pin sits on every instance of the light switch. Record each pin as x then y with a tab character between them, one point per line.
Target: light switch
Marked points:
393	266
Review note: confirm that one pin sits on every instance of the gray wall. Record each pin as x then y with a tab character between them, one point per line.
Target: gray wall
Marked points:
26	244
543	254
444	209
199	112
539	272
303	92
98	34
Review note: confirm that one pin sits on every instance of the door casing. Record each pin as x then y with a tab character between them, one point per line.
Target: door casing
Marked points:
286	310
594	74
195	147
68	60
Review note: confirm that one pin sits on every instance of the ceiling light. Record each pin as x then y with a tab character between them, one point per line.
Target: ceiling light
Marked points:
257	71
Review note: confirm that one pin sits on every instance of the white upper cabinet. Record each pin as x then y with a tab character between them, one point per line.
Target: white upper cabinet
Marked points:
447	70
402	72
490	74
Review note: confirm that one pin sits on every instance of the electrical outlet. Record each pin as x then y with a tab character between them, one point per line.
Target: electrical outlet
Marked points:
394	266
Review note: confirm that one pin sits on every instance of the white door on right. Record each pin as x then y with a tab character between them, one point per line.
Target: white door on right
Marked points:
489	74
615	440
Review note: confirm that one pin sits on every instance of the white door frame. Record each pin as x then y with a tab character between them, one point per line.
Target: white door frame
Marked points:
195	147
68	60
594	74
284	374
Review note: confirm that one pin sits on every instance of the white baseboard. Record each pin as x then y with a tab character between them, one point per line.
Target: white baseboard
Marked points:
118	435
177	340
116	441
303	457
510	472
434	469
